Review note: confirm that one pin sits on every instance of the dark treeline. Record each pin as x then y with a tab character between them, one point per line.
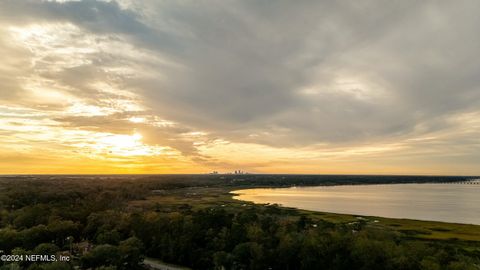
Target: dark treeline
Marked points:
256	180
90	218
262	238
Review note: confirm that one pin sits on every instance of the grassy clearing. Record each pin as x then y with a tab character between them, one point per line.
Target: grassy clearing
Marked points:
204	197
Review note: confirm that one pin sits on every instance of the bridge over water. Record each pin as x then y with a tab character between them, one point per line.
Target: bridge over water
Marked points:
469	182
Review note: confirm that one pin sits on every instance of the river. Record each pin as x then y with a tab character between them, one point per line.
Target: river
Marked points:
455	203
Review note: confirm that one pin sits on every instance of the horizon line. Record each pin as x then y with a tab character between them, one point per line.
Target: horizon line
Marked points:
203	174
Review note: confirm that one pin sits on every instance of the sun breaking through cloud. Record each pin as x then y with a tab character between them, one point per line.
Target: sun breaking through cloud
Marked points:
270	87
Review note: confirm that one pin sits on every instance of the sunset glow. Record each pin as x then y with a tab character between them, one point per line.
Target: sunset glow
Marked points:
147	87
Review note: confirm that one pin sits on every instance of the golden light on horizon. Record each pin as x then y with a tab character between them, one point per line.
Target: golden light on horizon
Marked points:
147	90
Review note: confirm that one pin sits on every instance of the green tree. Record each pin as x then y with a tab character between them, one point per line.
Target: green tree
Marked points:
131	252
56	266
46	249
102	255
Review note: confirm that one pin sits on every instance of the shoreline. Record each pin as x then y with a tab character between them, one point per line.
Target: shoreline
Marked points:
422	229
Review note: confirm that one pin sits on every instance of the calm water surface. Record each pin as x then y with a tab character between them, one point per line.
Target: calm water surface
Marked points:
457	203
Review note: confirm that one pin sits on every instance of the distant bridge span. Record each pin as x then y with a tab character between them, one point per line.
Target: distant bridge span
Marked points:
469	182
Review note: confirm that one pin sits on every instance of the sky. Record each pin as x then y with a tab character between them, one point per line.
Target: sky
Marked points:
154	86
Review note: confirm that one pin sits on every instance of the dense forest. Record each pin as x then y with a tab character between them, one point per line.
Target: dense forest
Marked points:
114	222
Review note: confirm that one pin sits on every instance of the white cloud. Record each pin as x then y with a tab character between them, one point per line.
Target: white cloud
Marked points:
351	78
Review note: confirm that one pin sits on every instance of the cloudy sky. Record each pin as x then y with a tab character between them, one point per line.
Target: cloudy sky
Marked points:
381	87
